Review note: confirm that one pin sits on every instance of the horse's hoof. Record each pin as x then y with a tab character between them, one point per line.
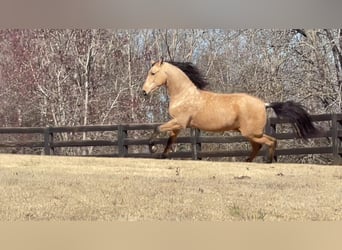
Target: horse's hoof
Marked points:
152	148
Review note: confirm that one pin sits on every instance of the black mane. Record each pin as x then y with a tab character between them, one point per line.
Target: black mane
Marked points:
192	72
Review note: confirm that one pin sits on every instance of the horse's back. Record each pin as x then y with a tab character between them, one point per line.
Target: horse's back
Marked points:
240	103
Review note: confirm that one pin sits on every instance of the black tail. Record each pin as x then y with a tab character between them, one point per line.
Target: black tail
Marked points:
297	115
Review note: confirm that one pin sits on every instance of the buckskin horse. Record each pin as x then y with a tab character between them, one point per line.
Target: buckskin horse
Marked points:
191	106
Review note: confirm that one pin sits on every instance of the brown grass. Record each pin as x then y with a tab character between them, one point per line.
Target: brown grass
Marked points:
71	188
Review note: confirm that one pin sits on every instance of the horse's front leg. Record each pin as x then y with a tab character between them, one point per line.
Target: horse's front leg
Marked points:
151	144
174	127
170	141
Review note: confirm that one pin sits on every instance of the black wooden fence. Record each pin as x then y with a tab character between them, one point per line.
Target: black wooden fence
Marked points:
122	142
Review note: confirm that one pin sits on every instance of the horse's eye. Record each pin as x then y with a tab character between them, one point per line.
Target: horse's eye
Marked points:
152	73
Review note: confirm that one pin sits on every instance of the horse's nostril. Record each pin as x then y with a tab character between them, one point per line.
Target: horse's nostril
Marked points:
144	93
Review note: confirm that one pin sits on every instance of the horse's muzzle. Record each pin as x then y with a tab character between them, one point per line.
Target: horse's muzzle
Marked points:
145	93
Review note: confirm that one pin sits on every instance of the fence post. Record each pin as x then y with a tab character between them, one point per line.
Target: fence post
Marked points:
122	135
336	140
195	143
48	139
270	129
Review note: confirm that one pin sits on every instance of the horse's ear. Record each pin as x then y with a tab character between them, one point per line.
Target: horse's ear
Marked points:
161	61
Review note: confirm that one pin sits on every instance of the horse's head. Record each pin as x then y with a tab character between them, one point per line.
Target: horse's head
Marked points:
156	77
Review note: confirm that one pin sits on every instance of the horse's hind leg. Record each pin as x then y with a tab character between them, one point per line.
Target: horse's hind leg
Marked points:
270	141
255	149
272	146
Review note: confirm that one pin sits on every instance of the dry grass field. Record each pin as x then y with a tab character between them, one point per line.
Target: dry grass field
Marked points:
110	189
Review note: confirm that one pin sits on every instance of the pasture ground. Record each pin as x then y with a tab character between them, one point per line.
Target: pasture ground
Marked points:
56	188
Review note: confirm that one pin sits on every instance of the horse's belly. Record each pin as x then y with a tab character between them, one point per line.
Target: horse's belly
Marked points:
215	122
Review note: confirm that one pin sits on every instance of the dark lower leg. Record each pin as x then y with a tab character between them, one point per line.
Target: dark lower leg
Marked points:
267	140
151	144
272	146
174	126
255	149
170	141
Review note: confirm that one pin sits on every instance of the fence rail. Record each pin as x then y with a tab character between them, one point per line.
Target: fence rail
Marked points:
123	142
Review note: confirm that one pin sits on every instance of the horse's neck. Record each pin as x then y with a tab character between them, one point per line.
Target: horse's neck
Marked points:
179	84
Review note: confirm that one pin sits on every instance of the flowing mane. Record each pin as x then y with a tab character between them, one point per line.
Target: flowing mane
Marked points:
192	72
